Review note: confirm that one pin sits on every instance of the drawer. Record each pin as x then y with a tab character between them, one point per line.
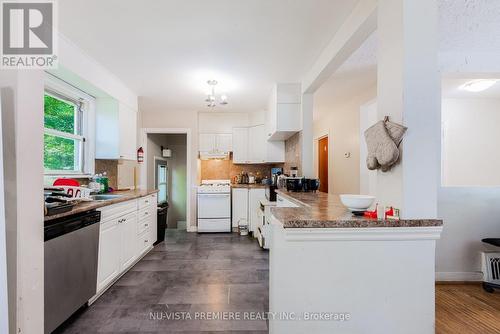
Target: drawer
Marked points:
147	212
147	201
117	210
144	224
144	240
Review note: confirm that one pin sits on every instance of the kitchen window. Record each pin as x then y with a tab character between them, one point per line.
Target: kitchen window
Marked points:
69	130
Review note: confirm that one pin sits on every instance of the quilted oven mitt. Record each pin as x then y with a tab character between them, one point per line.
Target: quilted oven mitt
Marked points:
382	151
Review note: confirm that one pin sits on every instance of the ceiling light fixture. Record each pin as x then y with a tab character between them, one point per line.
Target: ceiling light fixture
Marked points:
211	97
478	85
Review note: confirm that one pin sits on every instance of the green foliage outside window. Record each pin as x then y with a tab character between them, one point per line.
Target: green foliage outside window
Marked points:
59	152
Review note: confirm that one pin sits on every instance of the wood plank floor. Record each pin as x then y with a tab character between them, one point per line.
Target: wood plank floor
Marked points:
466	309
225	272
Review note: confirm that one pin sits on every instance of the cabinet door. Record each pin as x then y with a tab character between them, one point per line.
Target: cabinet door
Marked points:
257	144
207	142
128	132
239	205
224	142
128	239
240	146
255	195
109	253
275	151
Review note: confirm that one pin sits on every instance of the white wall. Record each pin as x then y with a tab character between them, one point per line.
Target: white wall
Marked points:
22	126
470	192
367	178
84	72
471	156
221	122
341	124
469	214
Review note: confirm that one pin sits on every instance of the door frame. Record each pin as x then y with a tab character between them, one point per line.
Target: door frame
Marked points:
144	168
317	137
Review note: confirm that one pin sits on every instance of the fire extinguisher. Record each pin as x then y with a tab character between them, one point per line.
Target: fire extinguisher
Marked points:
140	155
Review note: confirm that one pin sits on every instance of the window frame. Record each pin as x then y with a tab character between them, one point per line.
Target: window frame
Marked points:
85	123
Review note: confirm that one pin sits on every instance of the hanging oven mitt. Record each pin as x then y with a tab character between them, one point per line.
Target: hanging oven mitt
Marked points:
382	151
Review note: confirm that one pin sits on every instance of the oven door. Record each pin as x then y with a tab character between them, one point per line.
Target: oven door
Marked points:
214	205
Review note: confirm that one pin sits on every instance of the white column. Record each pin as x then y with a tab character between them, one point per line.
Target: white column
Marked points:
409	92
307	136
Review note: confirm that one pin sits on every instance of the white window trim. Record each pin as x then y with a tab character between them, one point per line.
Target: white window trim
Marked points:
63	88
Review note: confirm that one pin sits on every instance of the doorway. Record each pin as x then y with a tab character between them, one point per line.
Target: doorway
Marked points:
167	172
323	164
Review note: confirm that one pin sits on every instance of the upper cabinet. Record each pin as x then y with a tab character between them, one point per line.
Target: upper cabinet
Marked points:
116	130
211	143
284	111
250	146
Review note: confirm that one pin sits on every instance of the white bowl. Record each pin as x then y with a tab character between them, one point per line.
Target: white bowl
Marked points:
357	202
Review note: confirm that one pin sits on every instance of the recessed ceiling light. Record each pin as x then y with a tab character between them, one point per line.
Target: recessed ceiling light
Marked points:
478	85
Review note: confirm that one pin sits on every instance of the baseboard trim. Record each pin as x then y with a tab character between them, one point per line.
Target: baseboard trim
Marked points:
459	277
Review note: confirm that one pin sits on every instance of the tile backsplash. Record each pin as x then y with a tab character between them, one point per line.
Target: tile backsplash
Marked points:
293	153
227	170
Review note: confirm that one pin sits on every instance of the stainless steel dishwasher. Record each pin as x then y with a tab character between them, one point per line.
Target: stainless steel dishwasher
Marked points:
70	268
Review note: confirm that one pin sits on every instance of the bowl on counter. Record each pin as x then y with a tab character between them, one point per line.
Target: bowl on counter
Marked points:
357	202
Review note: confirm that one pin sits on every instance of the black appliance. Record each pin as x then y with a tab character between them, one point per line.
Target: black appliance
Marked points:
161	218
310	185
294	184
271	192
70	265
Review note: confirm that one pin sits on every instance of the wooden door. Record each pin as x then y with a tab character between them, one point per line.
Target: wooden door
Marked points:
323	164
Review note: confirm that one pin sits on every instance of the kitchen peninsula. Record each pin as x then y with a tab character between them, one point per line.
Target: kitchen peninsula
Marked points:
358	275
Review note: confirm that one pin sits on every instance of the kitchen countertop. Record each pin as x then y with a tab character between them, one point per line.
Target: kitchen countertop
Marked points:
322	210
248	186
90	205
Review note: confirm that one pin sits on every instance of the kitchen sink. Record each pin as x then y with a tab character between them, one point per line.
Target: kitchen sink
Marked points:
105	197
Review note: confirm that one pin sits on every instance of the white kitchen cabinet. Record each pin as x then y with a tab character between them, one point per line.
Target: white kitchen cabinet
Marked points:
254	197
206	142
284	111
257	144
109	253
116	130
240	146
239	206
215	143
224	142
128	227
250	146
245	204
127	231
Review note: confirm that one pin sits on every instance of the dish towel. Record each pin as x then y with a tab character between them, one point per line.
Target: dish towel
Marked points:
382	140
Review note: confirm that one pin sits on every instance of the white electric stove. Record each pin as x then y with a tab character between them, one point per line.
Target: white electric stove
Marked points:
214	206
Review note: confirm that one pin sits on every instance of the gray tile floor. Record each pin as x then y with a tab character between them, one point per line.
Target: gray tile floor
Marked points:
182	282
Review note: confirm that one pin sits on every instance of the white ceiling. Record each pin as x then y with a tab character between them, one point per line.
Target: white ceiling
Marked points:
166	50
465	26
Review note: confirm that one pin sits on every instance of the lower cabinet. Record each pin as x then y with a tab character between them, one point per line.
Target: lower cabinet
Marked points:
246	203
109	253
239	206
126	233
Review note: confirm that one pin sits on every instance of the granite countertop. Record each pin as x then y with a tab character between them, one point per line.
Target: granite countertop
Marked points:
90	205
248	186
322	210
